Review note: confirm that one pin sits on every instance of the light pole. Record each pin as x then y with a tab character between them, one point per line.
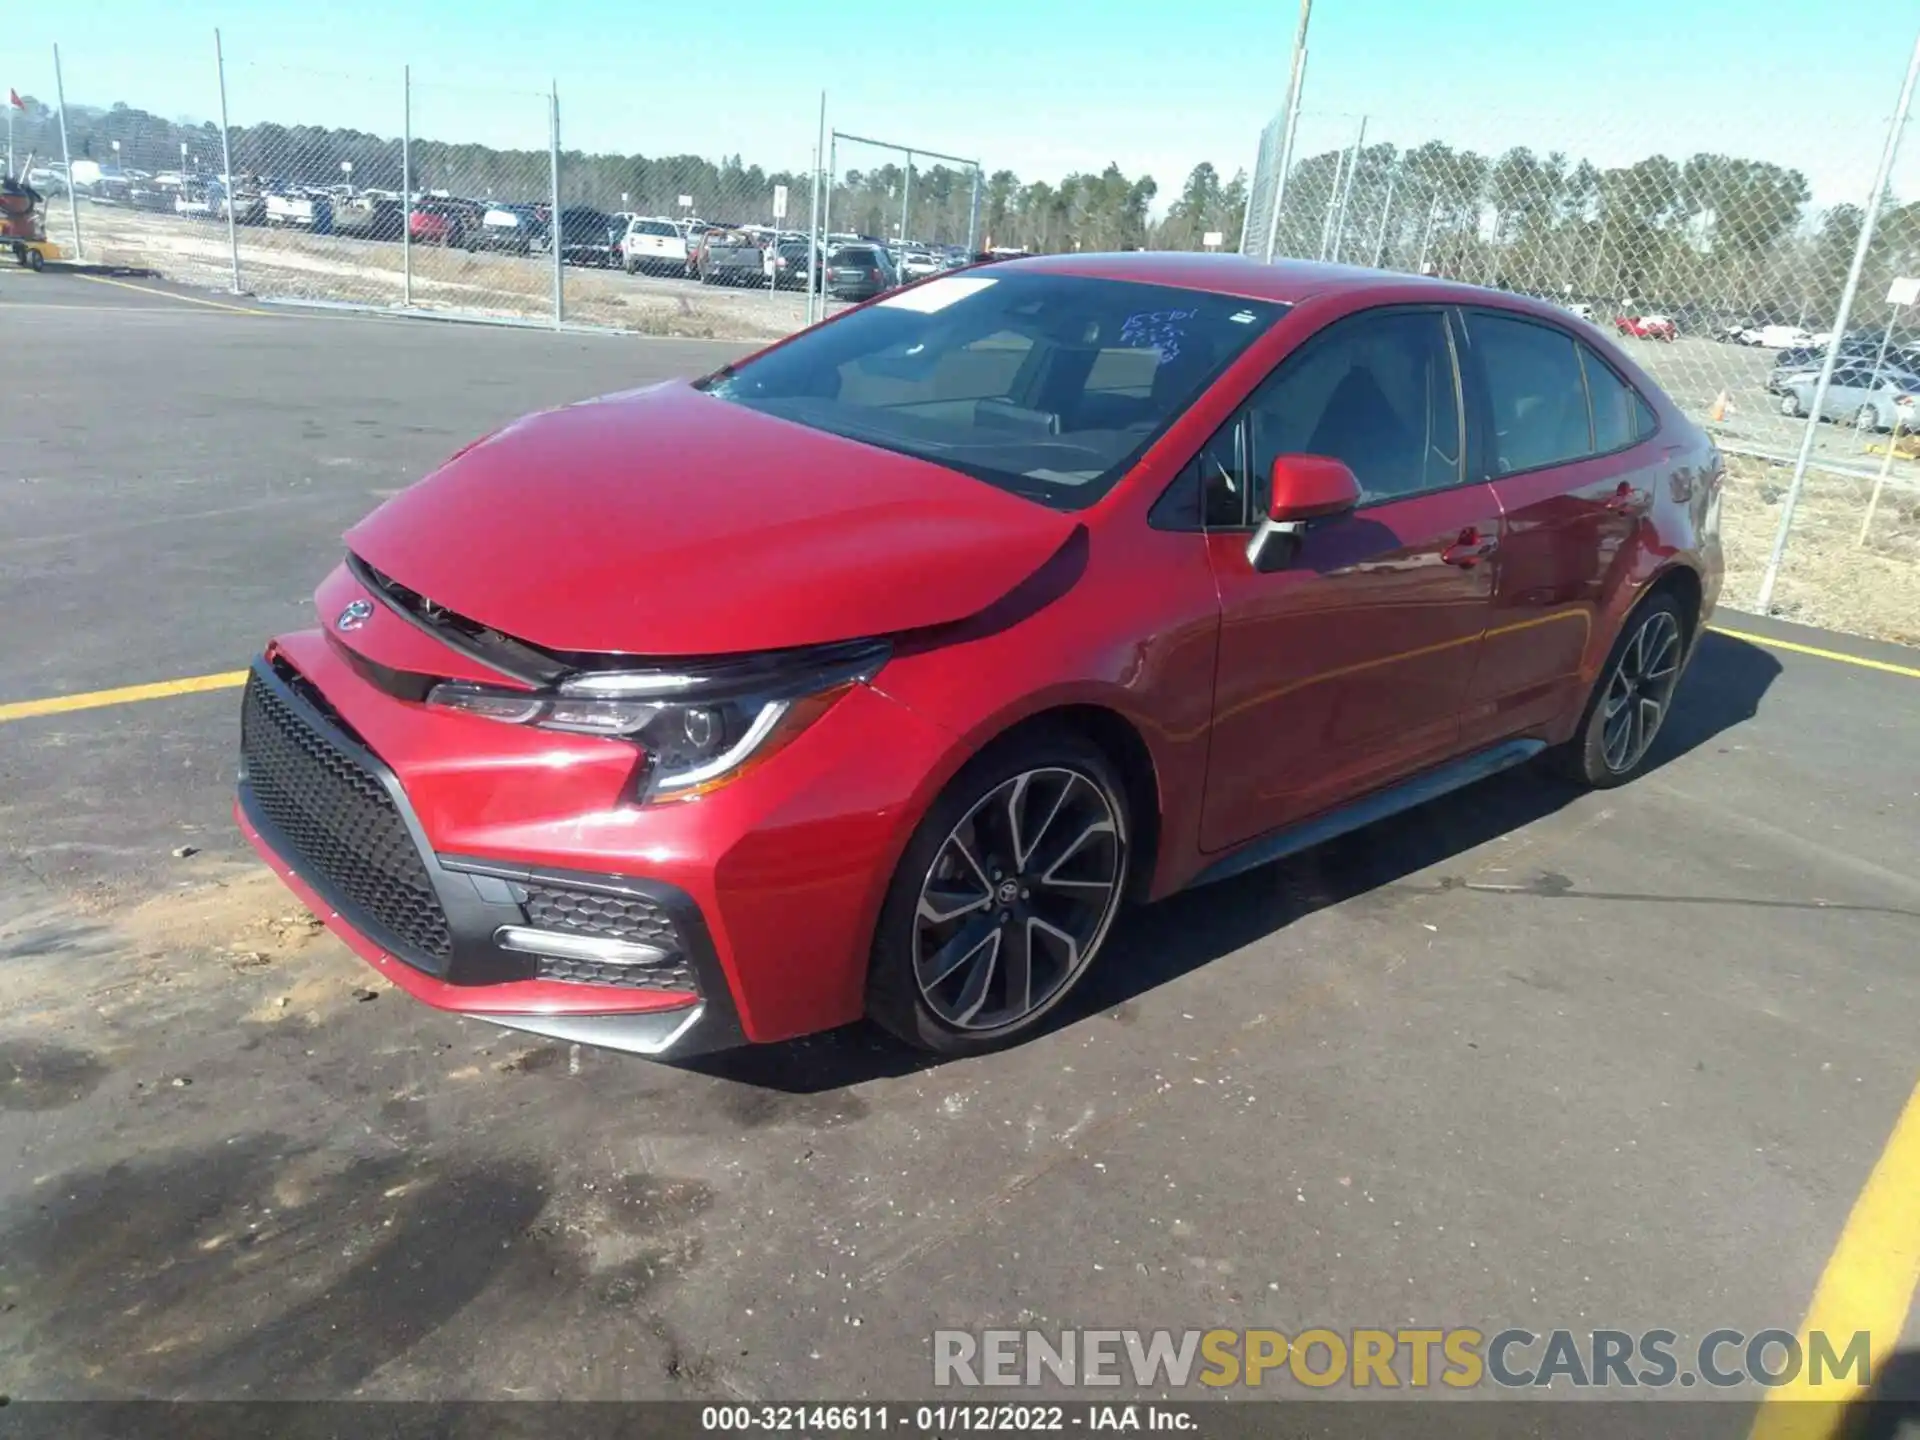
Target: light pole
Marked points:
183	164
346	169
116	155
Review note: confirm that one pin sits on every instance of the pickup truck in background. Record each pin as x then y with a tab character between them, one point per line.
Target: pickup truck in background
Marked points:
729	257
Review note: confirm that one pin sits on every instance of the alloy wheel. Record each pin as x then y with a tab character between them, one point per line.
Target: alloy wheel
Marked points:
1018	899
1639	691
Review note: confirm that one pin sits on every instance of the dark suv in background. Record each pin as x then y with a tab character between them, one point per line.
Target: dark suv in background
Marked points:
859	272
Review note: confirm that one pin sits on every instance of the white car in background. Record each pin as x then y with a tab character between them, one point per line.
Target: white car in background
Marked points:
1776	337
918	264
653	244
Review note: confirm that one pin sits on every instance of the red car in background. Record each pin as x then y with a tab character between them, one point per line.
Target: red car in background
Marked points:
873	674
441	222
1646	327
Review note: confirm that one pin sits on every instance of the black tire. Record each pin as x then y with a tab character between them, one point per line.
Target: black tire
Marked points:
19	254
1867	418
1027	770
35	260
1593	756
1790	405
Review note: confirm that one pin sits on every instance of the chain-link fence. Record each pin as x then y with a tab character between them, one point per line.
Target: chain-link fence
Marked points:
1722	272
414	193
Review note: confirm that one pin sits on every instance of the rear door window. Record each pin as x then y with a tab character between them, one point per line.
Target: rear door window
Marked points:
1536	393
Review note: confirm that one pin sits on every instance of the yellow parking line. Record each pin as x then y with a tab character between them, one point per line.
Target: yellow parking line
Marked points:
126	694
1868	1285
169	295
1910	671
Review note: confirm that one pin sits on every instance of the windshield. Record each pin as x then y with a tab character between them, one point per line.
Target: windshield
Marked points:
1046	385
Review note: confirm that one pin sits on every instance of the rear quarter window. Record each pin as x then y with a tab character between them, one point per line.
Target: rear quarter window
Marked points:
1621	416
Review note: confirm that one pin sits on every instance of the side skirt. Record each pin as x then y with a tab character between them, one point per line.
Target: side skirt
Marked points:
1395	799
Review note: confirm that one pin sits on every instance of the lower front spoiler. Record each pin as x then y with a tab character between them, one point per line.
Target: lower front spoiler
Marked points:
561	1012
650	1032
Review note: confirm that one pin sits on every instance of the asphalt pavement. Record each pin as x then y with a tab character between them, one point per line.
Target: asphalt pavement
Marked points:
1527	1056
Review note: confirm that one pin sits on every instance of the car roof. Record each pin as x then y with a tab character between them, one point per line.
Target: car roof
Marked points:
1287	281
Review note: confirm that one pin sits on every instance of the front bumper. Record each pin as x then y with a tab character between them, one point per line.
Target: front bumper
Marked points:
503	942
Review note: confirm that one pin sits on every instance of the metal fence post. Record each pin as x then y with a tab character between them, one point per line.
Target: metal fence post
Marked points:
226	163
1296	84
1333	205
826	214
555	229
1426	236
906	199
1386	209
1346	194
816	241
66	160
406	184
1876	197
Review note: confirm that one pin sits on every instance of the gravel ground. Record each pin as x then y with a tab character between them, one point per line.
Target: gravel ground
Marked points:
1827	578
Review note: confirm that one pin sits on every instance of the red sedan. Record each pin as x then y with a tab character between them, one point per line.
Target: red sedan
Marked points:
1647	327
872	675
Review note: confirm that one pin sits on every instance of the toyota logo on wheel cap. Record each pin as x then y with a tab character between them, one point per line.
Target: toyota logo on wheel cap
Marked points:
355	615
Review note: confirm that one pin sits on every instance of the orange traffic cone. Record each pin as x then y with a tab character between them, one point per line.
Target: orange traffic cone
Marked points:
1721	404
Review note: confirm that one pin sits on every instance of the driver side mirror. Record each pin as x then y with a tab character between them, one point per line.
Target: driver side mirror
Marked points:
1302	488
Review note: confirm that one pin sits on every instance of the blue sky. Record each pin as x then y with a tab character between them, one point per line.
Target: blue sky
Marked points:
1036	86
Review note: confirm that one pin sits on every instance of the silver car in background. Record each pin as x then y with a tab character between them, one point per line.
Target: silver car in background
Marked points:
1871	399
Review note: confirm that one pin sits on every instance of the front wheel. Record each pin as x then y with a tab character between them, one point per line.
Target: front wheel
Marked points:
1628	707
1868	419
1003	898
1790	406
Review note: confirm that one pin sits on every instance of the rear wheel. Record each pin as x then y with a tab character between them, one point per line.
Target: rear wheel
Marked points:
1868	419
1003	898
1790	405
1628	707
35	260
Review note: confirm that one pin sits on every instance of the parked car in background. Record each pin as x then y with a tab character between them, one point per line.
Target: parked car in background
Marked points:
654	245
1646	327
512	229
1804	359
917	264
1867	398
859	272
370	217
788	264
587	237
1106	578
1776	337
1579	309
441	222
728	257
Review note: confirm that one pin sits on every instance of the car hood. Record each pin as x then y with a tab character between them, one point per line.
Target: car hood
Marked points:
669	522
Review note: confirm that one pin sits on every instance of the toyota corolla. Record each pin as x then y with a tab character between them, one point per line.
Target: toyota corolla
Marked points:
875	674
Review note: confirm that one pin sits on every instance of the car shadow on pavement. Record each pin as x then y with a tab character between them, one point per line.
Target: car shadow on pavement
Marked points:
1891	1408
1158	943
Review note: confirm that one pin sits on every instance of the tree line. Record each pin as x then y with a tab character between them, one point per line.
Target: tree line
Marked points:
1714	233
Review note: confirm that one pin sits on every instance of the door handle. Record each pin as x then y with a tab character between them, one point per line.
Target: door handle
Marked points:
1470	549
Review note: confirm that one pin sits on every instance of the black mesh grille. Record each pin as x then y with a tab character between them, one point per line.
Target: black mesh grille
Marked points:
341	825
631	918
670	974
612	917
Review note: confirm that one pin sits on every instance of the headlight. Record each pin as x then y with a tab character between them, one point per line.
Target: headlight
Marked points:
698	724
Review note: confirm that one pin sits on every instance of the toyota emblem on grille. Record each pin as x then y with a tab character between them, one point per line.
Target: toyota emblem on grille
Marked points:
355	615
